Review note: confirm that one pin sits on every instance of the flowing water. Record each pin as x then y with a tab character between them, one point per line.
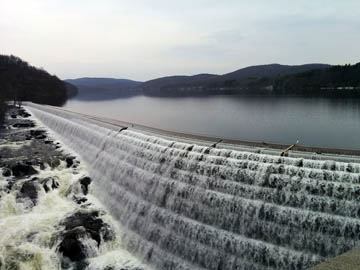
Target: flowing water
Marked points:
332	123
30	234
185	206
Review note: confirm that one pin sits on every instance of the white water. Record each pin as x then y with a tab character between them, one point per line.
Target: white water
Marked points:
184	206
28	234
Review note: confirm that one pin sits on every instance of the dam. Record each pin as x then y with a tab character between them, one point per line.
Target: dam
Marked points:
187	203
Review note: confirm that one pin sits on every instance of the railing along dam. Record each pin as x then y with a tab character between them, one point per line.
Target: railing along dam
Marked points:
186	206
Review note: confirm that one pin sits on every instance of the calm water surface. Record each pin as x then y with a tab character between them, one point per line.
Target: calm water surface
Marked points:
317	122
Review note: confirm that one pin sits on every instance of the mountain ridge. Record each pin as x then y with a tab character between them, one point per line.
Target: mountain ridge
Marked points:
238	81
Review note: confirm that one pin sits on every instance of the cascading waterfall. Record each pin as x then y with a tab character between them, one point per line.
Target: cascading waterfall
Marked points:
186	206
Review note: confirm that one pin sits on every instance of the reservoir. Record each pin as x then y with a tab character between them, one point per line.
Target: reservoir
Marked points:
321	122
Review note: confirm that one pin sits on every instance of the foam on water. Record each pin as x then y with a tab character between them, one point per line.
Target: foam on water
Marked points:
186	206
29	233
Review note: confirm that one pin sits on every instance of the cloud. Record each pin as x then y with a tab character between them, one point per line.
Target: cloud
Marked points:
143	39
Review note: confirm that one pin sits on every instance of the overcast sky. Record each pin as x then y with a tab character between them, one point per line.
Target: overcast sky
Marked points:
145	39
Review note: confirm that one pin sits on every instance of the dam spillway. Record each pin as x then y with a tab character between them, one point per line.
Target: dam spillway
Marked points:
183	205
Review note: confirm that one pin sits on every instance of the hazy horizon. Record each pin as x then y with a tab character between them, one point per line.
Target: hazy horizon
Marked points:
145	39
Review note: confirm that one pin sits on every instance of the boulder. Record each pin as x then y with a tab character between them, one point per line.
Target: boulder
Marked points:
83	224
38	134
21	169
29	191
89	220
71	245
85	182
69	161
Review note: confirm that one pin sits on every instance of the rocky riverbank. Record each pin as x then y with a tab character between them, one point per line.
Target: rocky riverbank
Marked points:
48	218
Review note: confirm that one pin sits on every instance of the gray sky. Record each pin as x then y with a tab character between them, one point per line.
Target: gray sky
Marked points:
145	39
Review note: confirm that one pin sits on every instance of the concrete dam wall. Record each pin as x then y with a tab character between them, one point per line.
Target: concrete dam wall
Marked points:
188	206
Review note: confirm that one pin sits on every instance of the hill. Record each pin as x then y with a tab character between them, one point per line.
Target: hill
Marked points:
269	71
21	81
104	88
161	86
248	80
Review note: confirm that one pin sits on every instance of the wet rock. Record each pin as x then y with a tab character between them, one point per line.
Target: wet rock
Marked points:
24	125
85	182
38	134
83	224
69	161
71	245
21	169
6	172
93	224
49	184
29	191
23	113
89	220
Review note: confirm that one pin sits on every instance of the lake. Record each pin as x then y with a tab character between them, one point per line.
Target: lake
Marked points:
314	121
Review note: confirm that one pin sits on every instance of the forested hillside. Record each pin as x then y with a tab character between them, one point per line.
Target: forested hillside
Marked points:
335	80
274	79
249	80
22	82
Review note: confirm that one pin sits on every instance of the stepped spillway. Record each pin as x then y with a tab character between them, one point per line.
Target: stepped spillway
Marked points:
187	206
